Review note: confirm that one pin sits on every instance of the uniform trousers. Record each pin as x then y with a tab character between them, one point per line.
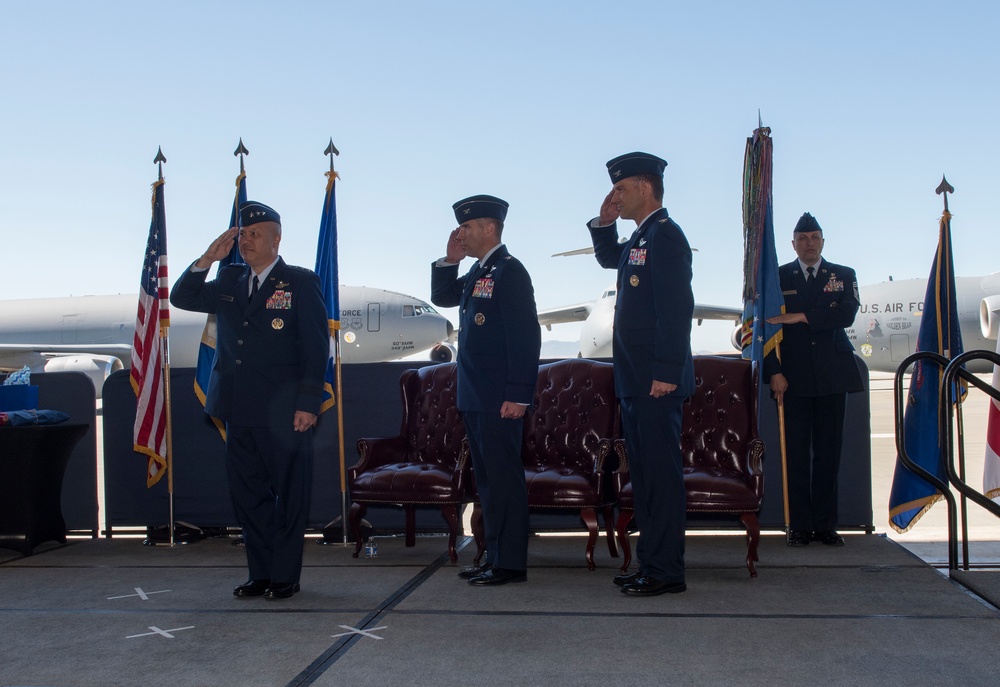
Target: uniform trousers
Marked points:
814	427
652	429
495	444
269	471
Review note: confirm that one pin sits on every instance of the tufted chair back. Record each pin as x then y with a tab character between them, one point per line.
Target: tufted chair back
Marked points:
720	422
431	422
574	408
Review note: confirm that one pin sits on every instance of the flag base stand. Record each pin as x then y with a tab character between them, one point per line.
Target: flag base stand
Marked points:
184	533
333	532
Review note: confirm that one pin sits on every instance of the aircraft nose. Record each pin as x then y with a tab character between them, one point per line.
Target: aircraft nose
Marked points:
451	329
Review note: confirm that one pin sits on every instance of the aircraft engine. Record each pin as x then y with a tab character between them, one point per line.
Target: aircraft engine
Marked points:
97	367
443	353
989	316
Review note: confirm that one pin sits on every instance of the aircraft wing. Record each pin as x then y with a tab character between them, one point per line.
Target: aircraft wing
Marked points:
717	312
117	350
567	313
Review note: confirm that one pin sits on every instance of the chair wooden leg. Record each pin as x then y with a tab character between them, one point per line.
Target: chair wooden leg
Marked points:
450	513
411	525
354	516
477	532
609	525
589	516
621	527
753	538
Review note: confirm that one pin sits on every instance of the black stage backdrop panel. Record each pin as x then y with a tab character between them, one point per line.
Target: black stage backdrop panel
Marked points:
73	393
371	407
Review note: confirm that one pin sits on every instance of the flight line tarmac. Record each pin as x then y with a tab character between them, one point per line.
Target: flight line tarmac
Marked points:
114	612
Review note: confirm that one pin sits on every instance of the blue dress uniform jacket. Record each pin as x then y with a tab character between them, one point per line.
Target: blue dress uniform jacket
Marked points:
499	338
817	360
271	354
652	342
270	359
499	341
654	305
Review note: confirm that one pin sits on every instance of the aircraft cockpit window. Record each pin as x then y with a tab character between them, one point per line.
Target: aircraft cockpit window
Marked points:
417	310
609	293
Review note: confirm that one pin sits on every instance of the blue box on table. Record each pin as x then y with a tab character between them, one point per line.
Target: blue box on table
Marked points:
18	397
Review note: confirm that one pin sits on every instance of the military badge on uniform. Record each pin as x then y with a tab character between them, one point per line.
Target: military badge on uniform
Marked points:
480	318
277	323
280	300
634	280
833	284
281	285
637	256
483	288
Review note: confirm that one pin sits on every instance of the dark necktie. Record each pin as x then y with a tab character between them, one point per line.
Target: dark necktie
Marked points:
809	277
256	285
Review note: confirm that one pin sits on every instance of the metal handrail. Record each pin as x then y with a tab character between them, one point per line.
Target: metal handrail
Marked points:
952	401
904	458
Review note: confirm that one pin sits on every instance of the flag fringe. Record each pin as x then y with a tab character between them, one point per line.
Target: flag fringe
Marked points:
927	502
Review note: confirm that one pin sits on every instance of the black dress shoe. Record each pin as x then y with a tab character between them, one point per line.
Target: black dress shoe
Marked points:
799	538
626	578
495	576
252	588
829	537
475	571
280	590
648	586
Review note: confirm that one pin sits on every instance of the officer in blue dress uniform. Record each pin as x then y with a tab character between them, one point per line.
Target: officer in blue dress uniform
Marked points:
654	373
499	341
267	378
816	371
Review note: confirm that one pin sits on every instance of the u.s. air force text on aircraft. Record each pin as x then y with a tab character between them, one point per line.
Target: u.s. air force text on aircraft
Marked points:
890	308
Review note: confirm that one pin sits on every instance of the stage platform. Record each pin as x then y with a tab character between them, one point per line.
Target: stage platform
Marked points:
113	612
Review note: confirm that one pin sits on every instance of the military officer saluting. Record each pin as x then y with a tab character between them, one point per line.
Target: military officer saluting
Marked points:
266	385
499	341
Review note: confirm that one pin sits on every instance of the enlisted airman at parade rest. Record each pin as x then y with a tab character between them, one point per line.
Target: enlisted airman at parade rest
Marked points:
816	371
653	368
499	342
267	378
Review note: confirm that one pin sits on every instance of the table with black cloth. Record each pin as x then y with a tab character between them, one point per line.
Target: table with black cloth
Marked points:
33	460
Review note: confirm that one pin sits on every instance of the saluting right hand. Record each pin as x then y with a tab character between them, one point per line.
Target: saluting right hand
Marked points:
219	249
455	252
609	210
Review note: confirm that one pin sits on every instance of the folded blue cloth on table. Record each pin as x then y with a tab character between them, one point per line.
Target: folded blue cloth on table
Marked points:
16	418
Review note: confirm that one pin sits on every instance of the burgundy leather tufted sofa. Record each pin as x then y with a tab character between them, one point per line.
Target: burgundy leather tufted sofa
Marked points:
722	453
427	464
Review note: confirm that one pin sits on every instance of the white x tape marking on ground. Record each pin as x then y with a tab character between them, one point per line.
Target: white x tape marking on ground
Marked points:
163	633
138	592
356	631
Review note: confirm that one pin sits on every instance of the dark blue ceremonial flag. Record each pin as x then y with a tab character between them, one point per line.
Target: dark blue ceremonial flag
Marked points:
329	279
912	496
206	350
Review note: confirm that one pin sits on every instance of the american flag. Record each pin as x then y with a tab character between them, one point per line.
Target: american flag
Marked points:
151	323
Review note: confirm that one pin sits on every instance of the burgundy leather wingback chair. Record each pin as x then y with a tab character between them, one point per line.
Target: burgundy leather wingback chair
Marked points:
426	465
567	437
721	450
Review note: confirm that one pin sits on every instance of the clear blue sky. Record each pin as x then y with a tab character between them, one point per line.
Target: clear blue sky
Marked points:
869	103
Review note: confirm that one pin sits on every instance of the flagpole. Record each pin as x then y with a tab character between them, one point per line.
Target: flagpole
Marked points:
165	359
332	151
